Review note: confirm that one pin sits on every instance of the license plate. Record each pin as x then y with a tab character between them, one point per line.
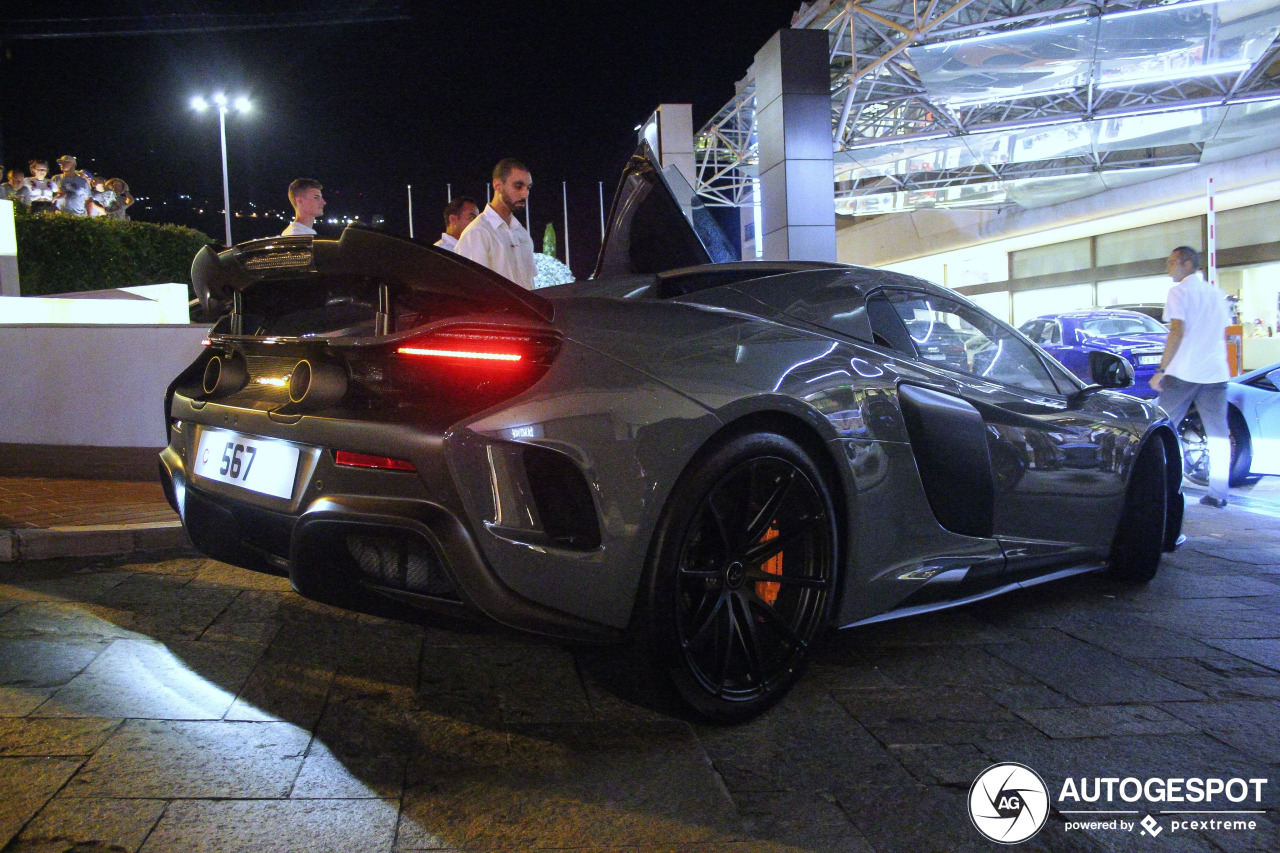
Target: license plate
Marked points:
1149	359
259	464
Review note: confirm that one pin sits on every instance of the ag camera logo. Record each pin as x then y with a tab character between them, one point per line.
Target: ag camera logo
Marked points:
1008	803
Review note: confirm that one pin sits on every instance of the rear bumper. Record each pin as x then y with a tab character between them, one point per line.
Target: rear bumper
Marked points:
425	554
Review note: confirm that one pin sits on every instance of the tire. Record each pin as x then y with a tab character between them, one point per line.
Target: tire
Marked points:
1139	540
731	619
1195	448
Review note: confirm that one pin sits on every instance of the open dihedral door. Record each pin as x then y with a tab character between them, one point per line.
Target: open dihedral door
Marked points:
648	230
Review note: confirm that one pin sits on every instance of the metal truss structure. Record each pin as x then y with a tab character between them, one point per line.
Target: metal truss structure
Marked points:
961	102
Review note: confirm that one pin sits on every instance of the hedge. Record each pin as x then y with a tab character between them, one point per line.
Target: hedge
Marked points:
58	253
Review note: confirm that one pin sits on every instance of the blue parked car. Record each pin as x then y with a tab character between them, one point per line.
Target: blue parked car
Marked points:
1071	336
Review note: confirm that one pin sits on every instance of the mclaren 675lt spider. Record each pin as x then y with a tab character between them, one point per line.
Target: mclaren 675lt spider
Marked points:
717	462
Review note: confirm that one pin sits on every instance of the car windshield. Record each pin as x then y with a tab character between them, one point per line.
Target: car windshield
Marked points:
1107	326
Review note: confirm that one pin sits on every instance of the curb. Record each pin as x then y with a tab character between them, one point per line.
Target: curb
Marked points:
101	540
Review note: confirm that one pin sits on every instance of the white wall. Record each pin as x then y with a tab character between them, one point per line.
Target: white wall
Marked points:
146	304
8	251
1030	304
95	386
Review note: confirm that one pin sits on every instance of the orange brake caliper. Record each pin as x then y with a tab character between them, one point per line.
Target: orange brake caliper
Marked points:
767	590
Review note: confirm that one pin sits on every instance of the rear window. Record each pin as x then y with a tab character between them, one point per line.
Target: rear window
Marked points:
302	287
344	305
1136	325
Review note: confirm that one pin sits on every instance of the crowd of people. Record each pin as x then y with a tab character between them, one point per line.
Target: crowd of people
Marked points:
72	191
493	238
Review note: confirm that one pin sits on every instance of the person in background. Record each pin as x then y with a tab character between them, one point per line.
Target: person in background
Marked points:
1193	369
40	187
16	189
308	204
71	188
496	239
110	198
458	214
99	197
66	166
121	199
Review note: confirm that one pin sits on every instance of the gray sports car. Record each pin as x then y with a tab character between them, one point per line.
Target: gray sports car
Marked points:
717	462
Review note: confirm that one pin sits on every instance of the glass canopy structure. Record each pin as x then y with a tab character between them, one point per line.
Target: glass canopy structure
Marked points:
954	103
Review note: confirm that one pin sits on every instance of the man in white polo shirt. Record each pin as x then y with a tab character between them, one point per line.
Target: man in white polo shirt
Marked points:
496	239
458	214
1194	366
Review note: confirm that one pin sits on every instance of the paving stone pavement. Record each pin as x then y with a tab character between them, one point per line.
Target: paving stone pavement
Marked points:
48	517
185	705
35	502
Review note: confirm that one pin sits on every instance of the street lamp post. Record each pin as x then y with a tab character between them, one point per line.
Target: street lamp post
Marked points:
241	104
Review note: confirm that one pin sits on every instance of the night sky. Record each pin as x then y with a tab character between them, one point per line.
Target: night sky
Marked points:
369	107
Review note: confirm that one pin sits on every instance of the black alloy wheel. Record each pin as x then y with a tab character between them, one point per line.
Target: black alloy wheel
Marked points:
1139	542
1195	448
742	576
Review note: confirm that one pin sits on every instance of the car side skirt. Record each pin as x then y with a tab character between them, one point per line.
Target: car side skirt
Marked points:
931	607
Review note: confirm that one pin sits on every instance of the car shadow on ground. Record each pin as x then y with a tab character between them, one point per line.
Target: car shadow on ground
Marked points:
215	683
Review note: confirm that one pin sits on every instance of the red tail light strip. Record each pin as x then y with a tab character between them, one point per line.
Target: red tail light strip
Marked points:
364	460
452	353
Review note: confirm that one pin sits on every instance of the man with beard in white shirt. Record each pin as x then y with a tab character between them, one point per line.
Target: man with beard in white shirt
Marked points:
496	239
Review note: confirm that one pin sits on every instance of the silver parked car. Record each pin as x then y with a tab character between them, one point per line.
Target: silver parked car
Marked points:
1253	415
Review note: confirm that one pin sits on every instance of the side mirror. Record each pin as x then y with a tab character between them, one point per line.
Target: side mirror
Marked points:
1110	370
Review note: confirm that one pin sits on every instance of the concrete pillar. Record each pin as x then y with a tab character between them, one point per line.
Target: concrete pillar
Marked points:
793	122
749	224
8	251
669	132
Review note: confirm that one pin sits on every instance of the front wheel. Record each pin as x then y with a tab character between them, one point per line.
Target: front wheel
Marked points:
741	575
1140	540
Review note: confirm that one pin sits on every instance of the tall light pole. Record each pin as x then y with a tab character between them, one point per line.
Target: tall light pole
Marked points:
241	104
564	191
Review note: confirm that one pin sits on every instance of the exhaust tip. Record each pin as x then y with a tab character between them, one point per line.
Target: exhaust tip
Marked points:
316	385
223	375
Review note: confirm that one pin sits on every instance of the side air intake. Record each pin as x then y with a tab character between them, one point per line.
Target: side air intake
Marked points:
563	499
949	442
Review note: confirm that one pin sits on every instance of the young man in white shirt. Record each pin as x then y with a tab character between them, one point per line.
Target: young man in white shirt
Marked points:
71	188
458	214
1194	366
496	239
308	205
